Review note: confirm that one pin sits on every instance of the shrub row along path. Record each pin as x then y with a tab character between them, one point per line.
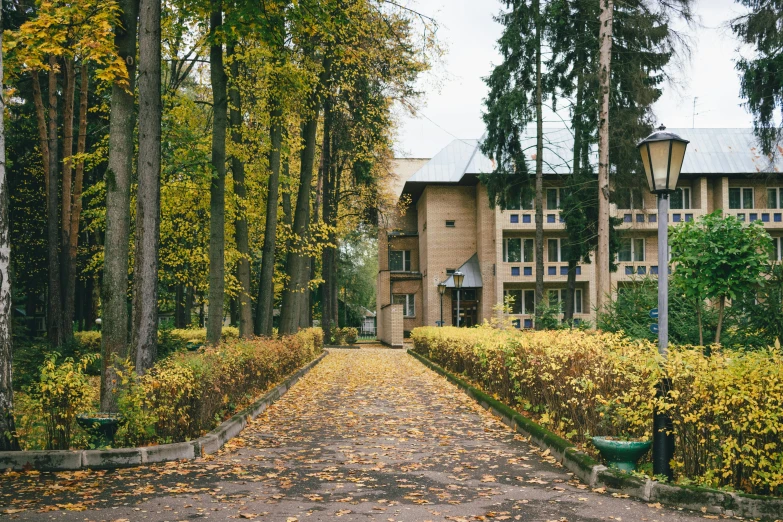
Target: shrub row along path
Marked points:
368	434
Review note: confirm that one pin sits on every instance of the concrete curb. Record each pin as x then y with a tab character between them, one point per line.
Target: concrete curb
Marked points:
65	460
596	475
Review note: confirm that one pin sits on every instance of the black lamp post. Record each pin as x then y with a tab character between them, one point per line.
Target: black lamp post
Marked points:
458	278
441	291
662	156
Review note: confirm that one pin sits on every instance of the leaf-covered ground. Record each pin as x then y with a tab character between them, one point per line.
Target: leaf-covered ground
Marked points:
368	434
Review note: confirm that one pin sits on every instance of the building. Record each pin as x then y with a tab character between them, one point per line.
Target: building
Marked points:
445	223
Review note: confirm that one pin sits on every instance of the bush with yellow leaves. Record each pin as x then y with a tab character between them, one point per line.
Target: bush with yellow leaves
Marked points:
727	409
189	393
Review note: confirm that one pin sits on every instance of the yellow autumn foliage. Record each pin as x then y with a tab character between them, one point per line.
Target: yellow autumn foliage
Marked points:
727	409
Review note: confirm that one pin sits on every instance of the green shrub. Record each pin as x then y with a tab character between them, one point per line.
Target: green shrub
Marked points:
727	408
351	335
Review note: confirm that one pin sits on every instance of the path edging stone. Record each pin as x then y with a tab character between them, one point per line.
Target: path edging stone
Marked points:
69	460
597	475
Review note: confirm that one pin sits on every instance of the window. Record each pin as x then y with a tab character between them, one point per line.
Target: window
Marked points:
527	202
680	199
777	249
557	251
775	197
529	304
552	199
527	251
628	199
516	306
407	302
631	250
740	198
512	250
450	223
400	260
559	295
450	271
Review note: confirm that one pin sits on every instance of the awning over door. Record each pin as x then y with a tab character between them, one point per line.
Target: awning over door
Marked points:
472	271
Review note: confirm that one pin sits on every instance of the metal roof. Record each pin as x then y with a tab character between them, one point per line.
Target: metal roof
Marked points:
472	271
711	151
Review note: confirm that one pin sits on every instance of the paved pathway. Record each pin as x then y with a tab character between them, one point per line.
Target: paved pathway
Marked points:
367	435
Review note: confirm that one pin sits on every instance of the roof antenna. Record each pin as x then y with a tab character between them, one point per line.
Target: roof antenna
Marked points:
662	127
693	123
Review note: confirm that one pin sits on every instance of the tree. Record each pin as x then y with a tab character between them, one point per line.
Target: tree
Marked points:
602	281
8	440
144	338
516	87
719	258
762	76
217	188
114	335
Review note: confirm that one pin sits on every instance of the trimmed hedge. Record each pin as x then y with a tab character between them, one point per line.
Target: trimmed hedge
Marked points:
727	409
186	395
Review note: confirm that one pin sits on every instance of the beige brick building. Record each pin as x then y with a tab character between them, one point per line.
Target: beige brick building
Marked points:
446	223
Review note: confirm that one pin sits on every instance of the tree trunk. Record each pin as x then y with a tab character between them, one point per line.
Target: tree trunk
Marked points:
144	343
67	285
54	314
240	226
76	198
217	188
576	169
114	337
602	261
179	306
539	295
189	302
8	440
296	263
721	310
328	313
701	326
40	116
266	286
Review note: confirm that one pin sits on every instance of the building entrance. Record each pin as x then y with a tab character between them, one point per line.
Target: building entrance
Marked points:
468	307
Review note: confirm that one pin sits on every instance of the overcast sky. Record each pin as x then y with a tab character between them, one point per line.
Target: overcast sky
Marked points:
454	90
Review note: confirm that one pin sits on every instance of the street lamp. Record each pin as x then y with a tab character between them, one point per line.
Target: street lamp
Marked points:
662	156
458	278
441	291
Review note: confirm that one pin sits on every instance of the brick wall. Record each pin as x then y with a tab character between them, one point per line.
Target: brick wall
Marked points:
390	325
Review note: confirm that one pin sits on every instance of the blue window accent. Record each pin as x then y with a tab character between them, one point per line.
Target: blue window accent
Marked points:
765	218
560	218
641	270
579	270
563	270
528	270
628	270
552	270
688	217
676	218
577	322
515	218
528	323
550	218
778	217
526	218
627	218
654	270
516	323
514	270
652	218
640	218
754	217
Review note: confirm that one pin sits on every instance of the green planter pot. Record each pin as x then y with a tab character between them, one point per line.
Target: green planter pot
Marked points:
101	427
621	454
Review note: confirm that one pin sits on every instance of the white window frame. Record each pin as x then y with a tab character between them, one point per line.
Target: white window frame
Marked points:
520	303
686	199
506	249
562	293
633	241
778	194
559	250
742	198
406	256
525	293
557	198
408	304
777	249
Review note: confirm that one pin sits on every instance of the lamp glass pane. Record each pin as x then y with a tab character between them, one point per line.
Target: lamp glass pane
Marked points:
659	153
678	156
647	169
